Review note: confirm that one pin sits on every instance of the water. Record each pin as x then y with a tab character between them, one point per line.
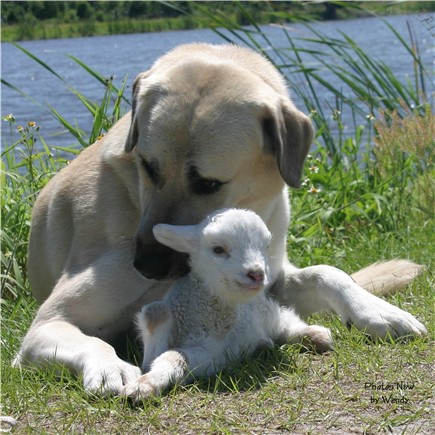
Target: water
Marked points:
123	56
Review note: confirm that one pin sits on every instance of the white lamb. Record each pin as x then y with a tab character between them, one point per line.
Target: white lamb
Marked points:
219	311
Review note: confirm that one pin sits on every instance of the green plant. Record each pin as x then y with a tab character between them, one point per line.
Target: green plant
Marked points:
405	145
29	163
25	170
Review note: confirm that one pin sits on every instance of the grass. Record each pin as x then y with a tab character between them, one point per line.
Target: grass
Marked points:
355	207
279	390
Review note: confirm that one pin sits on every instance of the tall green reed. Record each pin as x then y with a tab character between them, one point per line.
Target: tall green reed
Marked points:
345	187
28	163
24	171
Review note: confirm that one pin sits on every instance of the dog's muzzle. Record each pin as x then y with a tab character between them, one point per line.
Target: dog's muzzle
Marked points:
156	261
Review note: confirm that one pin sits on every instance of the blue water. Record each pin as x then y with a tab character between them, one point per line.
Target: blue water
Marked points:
124	56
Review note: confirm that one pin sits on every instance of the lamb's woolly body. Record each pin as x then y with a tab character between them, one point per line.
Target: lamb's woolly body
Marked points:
197	313
200	318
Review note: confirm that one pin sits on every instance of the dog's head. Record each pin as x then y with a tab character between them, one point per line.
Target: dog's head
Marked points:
208	134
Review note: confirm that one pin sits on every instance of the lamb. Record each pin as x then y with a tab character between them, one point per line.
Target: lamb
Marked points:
220	310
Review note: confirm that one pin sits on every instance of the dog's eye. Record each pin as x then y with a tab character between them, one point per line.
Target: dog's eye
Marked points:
202	186
151	169
206	187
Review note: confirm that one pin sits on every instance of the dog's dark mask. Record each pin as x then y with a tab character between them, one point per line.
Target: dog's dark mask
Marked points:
156	261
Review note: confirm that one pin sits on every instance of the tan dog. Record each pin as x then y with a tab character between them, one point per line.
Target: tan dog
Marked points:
211	127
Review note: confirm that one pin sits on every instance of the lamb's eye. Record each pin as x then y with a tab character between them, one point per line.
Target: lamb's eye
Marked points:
219	250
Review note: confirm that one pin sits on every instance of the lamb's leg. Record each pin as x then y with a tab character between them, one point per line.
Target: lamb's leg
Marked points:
166	370
290	328
170	368
154	323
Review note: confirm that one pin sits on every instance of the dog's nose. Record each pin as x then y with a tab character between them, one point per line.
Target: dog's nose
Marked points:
156	261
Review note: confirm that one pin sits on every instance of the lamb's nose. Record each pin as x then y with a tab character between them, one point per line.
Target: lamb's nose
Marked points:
256	276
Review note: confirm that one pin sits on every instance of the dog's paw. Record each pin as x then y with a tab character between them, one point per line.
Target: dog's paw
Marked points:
141	388
379	319
109	377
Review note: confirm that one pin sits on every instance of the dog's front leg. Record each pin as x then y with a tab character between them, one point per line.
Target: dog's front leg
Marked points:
84	312
61	342
326	288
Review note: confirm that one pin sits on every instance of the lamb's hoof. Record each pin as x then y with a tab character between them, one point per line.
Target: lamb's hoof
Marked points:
140	389
318	338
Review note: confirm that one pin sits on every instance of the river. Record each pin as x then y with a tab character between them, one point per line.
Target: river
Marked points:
123	56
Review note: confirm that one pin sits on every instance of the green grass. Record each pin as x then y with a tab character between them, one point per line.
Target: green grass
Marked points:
278	390
354	208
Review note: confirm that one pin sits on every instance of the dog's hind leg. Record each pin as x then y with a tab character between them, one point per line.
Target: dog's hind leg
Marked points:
326	288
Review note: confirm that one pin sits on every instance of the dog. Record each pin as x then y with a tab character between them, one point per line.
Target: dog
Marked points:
211	126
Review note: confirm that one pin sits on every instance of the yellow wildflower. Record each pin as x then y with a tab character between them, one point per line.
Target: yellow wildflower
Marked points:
9	118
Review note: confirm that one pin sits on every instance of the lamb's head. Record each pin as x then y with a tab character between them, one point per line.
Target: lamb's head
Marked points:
228	252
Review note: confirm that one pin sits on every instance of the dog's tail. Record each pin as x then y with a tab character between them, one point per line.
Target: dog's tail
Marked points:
386	277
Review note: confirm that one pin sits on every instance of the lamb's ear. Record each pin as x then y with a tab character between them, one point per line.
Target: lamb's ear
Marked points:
288	134
134	132
181	238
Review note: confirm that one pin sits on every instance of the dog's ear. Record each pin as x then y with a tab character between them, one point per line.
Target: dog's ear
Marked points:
288	134
133	132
